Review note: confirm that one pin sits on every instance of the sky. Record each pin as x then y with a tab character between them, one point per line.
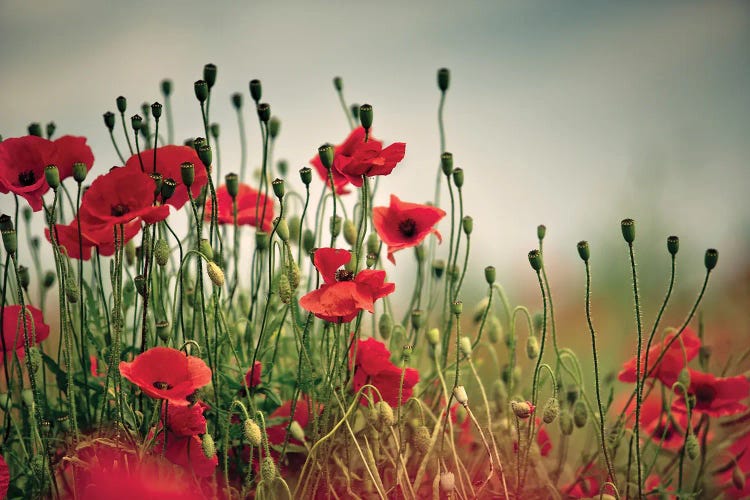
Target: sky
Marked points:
574	114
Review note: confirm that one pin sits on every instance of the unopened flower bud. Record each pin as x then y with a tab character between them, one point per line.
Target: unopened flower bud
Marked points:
274	127
385	414
285	289
334	224
692	447
628	230
122	104
494	329
712	257
447	481
325	153
187	170
459	392
264	112
385	326
458	177
541	231
166	87
268	470
49	279
161	252
208	445
551	410
23	277
421	440
673	244
370	260
465	345
237	100
308	240
433	336
583	250
532	347
255	90
71	290
443	79
580	414
438	268
566	423
467	223
350	232
215	274
365	116
297	431
282	228
201	90
522	409
52	175
252	432
205	248
571	394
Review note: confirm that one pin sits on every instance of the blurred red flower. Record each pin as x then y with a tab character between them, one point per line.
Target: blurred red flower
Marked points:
247	201
671	364
167	373
13	328
402	225
120	196
23	160
716	396
655	420
343	294
169	160
278	421
252	377
4	477
186	420
354	158
372	365
101	238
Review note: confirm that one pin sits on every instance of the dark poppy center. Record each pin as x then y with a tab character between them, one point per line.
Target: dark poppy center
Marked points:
162	386
665	430
704	395
26	178
344	275
119	210
407	227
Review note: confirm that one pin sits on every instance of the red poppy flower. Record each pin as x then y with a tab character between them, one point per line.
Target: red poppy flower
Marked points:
23	160
403	225
373	366
169	160
100	237
186	420
278	421
542	439
655	421
671	364
463	428
13	328
187	452
252	377
167	373
4	477
120	196
354	158
342	295
716	396
247	201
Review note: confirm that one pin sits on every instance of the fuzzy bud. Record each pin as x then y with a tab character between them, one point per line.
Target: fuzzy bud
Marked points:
692	447
447	481
205	248
285	289
494	329
161	252
433	336
421	440
252	432
334	224
297	431
532	347
522	409
308	240
350	232
268	470
208	445
385	326
628	230
551	410
459	392
566	423
292	272
282	229
465	345
71	290
385	414
215	274
580	414
684	377
274	127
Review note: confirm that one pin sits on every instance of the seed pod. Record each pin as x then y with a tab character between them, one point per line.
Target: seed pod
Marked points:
459	392
443	79
421	439
566	423
535	259
580	414
208	445
532	347
712	257
490	274
465	345
385	326
692	447
252	432
350	232
161	252
325	153
215	274
551	410
79	172
163	330
673	245
385	414
628	230
285	289
365	116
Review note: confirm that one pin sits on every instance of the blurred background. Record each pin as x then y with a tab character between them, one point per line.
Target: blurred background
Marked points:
572	114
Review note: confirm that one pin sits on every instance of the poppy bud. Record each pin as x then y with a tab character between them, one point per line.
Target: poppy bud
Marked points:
308	240
438	268
433	336
10	240
421	439
458	177
168	187
297	431
237	100
252	432
457	307
532	347
35	242
23	277
52	175
385	326
465	345
156	109
187	170
566	423
268	470
205	248
522	409
365	116
535	259
684	378
354	108
712	257
338	83
494	329
490	275
264	112
163	330
541	231
274	127
140	284
136	121
692	447
673	244
201	90
371	259
571	395
49	279
215	274
282	229
208	445
551	410
467	223
35	129
583	250
460	394
166	87
628	230
447	481
161	252
334	224
50	129
580	414
145	109
122	104
71	290
417	319
209	75
261	240
109	120
255	90
385	414
79	172
278	188
285	289
443	79
325	152
206	155
292	272
295	226
373	243
446	163
738	478
350	232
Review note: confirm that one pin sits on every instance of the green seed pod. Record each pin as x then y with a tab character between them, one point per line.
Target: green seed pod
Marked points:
205	248
467	223
490	274
692	446
566	423
136	122
282	229
237	100
457	307
334	224
201	90
385	414
433	336
268	470
535	259
580	414
417	319
285	289
161	252
712	257
551	410
673	244
163	330
209	75
109	120
628	230
71	290
140	284
350	232
166	87
532	347
278	188
325	153
308	241
187	170
79	172
274	127
215	274
494	329
421	440
168	187
52	175
305	174
385	326
370	260
205	154
122	104
406	353
443	79
292	272
541	231
256	90
156	109
208	445
23	277
252	432
232	183
446	163
458	177
538	322
365	116
338	83
264	112
583	250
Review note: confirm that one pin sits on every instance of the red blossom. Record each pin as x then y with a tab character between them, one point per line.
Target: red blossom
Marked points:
372	365
249	201
252	377
13	331
120	196
657	422
186	420
671	364
404	225
167	373
354	158
4	477
343	295
101	238
278	421
187	452
169	160
465	437
716	396
23	160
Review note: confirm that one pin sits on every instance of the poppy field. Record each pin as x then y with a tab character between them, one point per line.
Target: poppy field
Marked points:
182	329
